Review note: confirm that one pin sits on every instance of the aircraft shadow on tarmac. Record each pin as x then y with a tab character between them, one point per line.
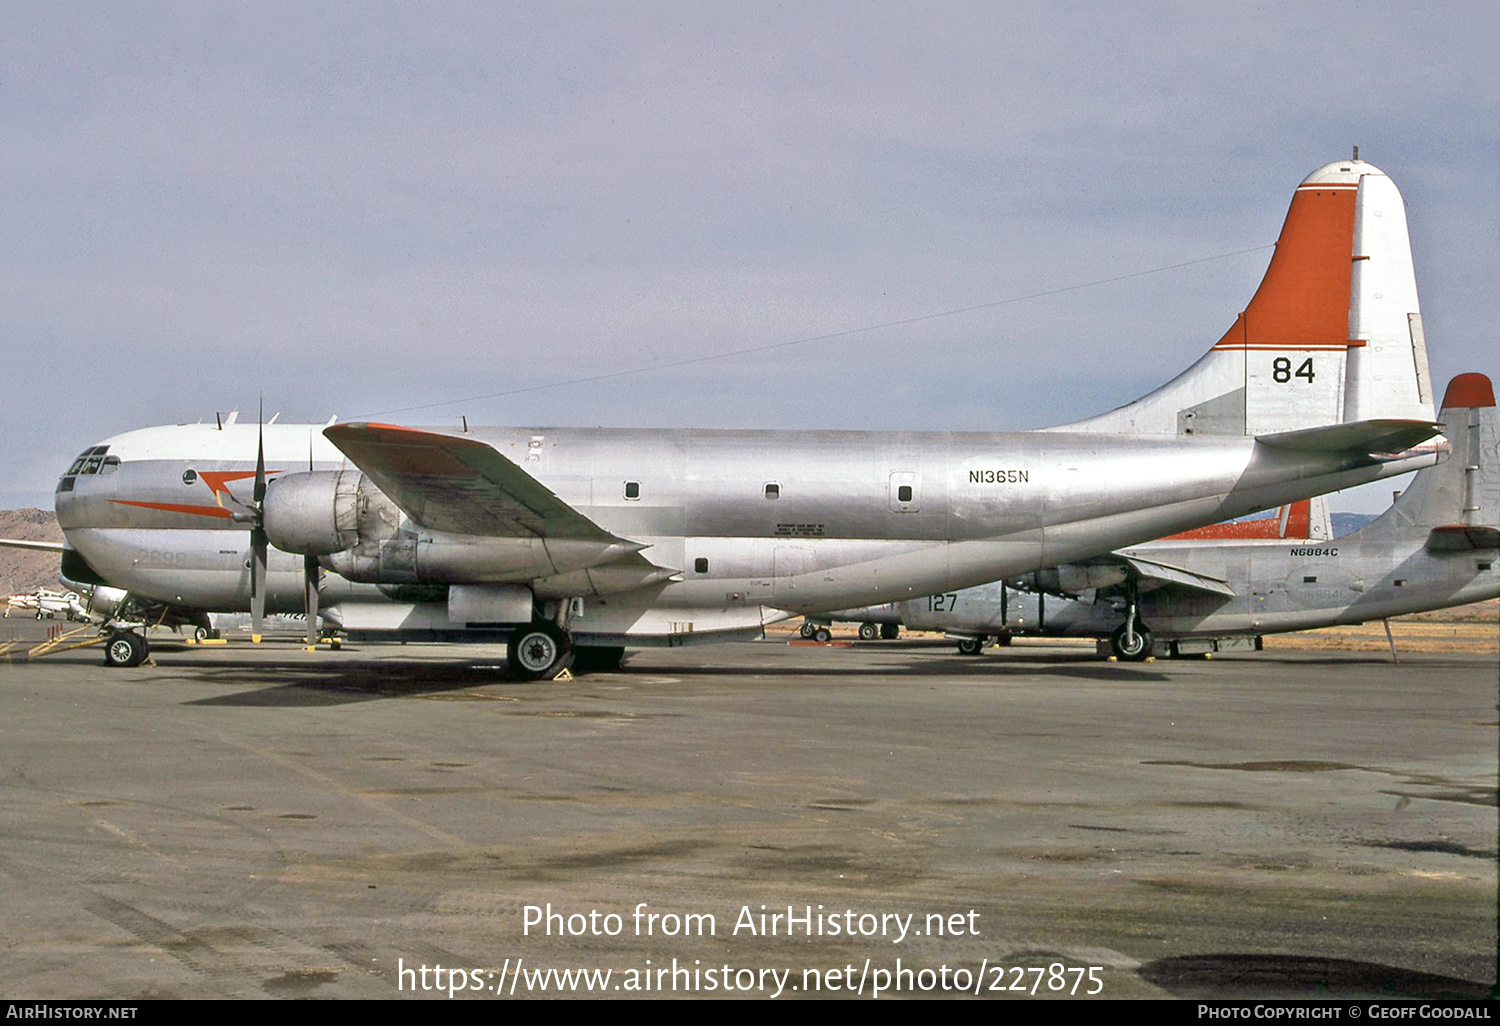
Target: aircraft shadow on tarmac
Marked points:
1231	976
343	684
297	683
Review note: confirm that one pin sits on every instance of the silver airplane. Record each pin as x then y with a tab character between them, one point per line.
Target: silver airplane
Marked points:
1435	547
1308	519
600	538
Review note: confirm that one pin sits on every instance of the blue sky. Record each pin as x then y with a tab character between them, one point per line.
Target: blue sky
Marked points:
358	209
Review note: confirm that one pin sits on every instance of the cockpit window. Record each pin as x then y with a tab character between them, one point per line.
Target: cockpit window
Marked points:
110	465
75	468
91	466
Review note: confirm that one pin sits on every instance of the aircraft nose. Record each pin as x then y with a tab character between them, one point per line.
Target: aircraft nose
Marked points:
92	462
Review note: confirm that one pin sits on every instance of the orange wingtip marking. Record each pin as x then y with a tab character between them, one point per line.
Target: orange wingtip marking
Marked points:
1304	296
174	507
1468	391
374	426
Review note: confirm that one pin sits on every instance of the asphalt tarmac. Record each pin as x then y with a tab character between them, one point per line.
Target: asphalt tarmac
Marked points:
260	821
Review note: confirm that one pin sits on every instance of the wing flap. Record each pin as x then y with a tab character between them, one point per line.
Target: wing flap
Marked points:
459	485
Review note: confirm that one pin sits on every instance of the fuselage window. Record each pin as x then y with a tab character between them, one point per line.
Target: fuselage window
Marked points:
189	476
1309	580
773	490
632	489
700	565
903	493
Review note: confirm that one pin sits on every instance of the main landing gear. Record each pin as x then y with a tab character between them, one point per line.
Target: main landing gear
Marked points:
539	651
125	648
1131	642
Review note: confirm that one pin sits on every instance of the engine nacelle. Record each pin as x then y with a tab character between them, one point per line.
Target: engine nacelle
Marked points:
326	511
356	531
1070	578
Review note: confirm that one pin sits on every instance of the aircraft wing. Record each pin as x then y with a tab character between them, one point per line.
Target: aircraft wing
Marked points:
21	543
459	485
1153	575
1381	438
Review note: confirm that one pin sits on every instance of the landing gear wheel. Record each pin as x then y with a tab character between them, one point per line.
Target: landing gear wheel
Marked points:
202	633
808	629
970	646
126	648
1142	648
539	652
869	631
890	631
822	634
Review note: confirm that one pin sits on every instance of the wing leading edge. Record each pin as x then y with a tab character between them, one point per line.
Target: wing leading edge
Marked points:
459	485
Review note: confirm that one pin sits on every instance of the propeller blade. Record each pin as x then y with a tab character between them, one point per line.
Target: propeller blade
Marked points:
258	546
310	596
259	495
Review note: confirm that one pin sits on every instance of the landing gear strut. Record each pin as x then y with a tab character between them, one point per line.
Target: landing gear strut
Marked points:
1131	642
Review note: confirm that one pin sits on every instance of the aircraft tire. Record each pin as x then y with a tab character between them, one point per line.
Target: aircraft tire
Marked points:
1145	644
890	631
539	652
869	631
970	646
822	634
125	648
808	629
202	633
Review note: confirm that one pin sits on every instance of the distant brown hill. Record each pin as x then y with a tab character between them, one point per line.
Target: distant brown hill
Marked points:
22	570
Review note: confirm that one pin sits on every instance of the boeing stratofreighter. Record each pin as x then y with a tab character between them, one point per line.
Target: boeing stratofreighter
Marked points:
1213	590
603	538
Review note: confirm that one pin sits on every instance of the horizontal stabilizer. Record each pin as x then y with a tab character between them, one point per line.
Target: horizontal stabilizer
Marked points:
459	485
1463	538
1376	437
20	543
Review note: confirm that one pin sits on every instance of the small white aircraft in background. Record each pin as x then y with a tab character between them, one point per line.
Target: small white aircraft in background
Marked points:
48	605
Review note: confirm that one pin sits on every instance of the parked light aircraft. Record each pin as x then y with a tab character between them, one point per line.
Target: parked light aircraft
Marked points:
1436	546
47	603
605	538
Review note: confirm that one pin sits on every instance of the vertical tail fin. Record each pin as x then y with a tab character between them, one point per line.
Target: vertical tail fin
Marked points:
1464	490
1333	333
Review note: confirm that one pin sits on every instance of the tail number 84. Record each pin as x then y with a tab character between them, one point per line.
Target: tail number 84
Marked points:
1281	370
